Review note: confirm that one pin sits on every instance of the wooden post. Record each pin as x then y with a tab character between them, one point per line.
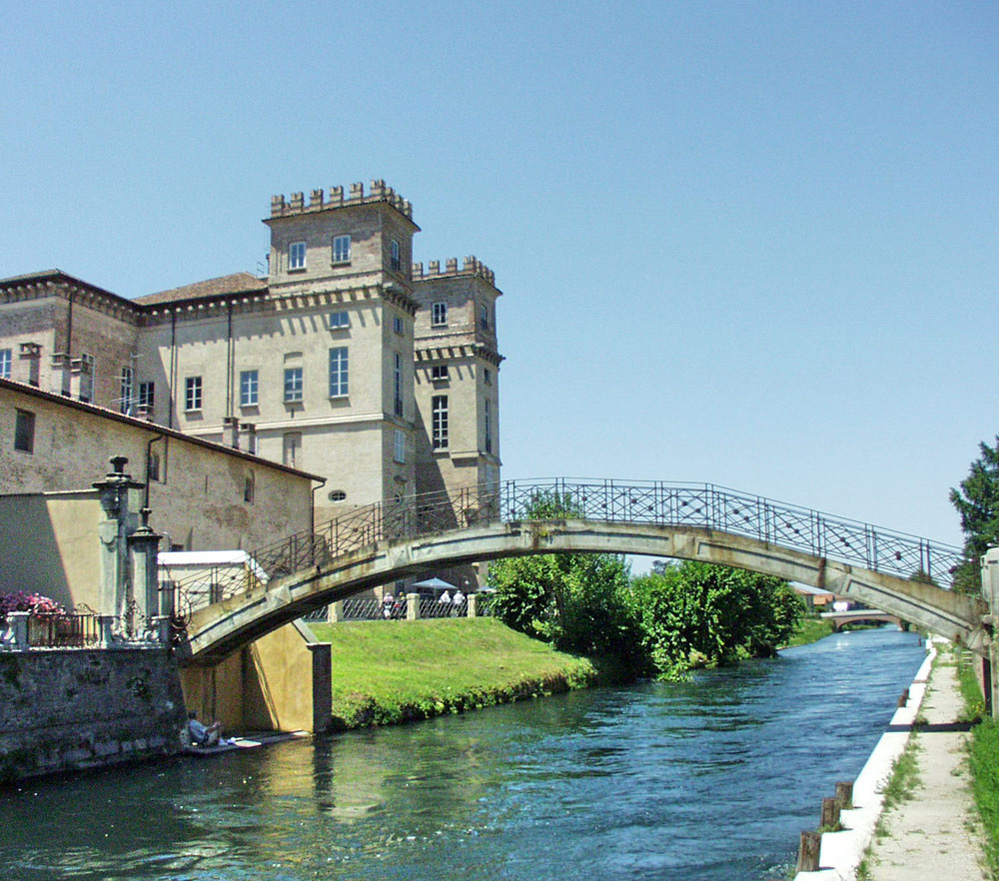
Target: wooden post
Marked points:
844	794
808	852
830	815
904	699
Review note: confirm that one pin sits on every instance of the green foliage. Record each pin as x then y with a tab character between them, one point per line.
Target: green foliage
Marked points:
570	600
663	624
699	614
977	503
984	762
439	666
809	630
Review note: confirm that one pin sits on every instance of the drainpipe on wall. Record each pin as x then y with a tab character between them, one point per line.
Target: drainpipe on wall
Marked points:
312	510
172	400
228	364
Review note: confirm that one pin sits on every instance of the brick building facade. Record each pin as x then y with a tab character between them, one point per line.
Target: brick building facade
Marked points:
347	361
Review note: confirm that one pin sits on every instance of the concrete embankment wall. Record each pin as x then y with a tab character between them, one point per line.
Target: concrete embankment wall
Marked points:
64	710
269	685
842	852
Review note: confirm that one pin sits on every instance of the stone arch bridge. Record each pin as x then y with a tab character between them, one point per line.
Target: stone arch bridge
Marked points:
898	574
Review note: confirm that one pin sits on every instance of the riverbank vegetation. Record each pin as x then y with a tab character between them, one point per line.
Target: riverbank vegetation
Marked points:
664	624
983	761
390	672
808	630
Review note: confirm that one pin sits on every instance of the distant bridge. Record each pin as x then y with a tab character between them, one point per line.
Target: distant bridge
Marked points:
859	616
899	574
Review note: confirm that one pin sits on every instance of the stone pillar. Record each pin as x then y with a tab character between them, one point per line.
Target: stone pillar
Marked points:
990	591
334	612
17	637
120	501
322	686
144	546
106	625
473	605
412	606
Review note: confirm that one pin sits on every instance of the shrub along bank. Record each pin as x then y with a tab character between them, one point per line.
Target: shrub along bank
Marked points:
396	671
983	760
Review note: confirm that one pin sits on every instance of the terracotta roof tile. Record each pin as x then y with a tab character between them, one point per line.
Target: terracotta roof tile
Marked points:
237	283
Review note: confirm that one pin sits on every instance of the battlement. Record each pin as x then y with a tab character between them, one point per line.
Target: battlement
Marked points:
471	266
318	201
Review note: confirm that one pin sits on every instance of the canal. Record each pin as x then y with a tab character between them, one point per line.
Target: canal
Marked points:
707	779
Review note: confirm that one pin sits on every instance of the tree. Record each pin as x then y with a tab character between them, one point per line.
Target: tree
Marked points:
977	503
570	600
700	614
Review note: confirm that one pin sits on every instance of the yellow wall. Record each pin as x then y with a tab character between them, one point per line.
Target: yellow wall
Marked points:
266	686
50	546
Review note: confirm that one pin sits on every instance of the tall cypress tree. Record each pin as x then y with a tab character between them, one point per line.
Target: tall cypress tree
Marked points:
977	502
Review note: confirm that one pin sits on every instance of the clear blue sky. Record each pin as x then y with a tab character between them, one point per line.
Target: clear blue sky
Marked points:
750	244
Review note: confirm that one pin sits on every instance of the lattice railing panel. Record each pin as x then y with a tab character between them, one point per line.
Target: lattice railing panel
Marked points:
657	502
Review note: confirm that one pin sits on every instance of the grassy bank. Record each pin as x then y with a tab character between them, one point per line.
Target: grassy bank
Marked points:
809	630
384	673
983	760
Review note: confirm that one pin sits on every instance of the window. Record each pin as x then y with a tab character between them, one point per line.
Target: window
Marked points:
488	427
147	396
397	324
487	376
397	380
293	385
192	393
127	387
337	495
438	371
439	412
438	314
338	372
24	431
296	255
339	320
341	249
484	316
396	261
88	367
291	448
5	363
400	446
248	387
248	487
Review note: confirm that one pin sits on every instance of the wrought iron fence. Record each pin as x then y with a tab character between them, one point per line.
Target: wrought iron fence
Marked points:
642	502
76	629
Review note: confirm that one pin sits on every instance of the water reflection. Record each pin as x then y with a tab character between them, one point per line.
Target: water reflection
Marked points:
617	784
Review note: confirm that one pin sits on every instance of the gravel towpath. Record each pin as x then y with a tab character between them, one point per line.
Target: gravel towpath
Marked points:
933	836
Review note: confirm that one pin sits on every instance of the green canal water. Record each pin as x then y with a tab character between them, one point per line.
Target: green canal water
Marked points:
708	779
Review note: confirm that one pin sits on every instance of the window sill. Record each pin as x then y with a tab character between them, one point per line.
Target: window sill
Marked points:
339	263
193	411
339	397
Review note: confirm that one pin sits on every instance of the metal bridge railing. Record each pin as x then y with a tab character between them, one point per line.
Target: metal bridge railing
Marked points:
642	502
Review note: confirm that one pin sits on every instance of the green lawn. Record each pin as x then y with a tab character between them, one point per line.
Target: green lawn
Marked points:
387	672
809	630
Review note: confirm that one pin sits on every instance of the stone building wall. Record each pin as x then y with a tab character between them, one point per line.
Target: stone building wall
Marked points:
206	496
63	710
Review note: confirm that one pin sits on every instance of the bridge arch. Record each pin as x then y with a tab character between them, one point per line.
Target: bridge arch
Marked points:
217	630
